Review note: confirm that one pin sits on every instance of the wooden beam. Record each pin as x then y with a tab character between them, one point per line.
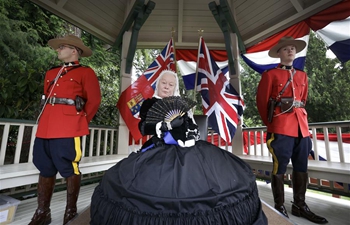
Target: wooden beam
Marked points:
72	18
297	5
136	8
180	20
61	3
141	18
231	21
224	26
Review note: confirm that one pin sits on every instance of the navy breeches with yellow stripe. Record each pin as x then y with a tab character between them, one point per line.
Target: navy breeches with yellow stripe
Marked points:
284	148
57	155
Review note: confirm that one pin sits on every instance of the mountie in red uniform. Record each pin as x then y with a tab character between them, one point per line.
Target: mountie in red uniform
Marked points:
71	99
271	84
61	120
281	98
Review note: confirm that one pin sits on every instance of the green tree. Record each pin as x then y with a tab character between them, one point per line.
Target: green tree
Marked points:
143	59
249	81
25	57
329	89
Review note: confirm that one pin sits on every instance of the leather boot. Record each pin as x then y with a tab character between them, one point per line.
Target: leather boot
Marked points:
277	185
299	207
42	215
73	187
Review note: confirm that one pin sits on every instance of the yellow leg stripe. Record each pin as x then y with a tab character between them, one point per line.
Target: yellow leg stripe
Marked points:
77	155
275	161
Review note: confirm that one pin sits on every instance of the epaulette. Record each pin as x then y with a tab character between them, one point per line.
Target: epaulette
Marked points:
84	66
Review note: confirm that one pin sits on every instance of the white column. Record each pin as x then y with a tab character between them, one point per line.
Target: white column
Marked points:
237	141
125	82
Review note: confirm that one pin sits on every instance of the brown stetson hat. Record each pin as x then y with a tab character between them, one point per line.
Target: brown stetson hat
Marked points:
71	40
299	45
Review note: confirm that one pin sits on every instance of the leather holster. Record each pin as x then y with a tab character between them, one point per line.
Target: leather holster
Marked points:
79	103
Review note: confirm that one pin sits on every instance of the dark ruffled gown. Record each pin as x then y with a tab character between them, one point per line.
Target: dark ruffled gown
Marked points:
173	185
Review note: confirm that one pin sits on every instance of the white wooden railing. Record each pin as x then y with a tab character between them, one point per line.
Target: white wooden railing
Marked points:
99	152
321	148
17	138
329	170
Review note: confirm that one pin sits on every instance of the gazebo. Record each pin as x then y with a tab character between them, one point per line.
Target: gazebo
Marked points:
231	25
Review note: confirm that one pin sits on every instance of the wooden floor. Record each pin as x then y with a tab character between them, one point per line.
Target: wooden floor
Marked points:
337	211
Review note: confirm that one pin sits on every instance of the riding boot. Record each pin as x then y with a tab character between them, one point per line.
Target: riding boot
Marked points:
42	215
299	207
73	187
277	185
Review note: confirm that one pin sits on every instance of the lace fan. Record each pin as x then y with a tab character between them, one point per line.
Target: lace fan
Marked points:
168	109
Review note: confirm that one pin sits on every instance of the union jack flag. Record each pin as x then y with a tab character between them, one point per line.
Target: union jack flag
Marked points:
130	100
221	102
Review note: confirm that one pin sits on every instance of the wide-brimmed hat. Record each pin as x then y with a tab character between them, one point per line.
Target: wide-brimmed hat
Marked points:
71	40
299	45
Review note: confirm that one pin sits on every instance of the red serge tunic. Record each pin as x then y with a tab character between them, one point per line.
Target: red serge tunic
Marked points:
63	121
271	83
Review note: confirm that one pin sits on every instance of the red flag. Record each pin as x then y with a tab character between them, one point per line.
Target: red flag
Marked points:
130	100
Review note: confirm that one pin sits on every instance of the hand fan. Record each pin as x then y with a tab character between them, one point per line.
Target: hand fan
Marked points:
168	109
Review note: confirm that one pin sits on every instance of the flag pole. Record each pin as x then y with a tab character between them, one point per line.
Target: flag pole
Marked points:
174	50
200	31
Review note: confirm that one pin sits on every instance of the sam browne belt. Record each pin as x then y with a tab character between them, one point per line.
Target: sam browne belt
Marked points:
64	101
79	102
296	104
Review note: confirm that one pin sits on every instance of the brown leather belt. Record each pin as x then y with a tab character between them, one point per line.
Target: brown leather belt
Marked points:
64	101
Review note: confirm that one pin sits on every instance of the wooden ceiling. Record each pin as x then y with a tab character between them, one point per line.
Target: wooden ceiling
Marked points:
254	20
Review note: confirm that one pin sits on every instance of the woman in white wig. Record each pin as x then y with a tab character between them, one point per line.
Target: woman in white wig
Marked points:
167	85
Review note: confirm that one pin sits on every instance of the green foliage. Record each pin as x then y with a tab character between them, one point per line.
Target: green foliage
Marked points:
329	89
143	59
249	82
23	60
25	57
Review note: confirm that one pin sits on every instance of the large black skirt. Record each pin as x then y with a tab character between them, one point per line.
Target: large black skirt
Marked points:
172	185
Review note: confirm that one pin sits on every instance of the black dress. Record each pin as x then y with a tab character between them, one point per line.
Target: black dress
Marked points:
178	133
173	185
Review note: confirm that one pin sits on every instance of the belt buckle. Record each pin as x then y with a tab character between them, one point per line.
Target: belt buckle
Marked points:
52	100
297	104
70	101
